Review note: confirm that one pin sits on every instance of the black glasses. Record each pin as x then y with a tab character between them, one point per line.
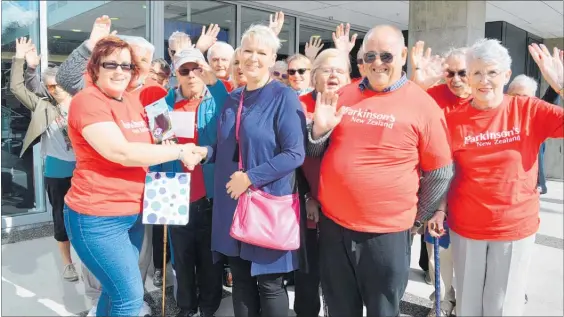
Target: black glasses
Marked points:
279	74
385	57
460	73
114	65
359	61
300	71
187	71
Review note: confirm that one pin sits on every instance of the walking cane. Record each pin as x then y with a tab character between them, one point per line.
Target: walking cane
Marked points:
165	239
437	276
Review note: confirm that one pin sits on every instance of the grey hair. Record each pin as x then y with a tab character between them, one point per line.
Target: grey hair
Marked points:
524	81
489	51
324	56
220	45
456	51
280	65
264	35
176	35
139	42
50	72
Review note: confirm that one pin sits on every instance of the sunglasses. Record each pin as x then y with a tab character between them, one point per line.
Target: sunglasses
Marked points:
187	71
359	61
278	74
114	65
300	71
460	73
385	57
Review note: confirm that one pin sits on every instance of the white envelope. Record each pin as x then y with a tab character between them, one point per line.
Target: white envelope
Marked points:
183	123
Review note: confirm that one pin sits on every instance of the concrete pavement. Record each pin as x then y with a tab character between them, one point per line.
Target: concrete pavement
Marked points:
32	285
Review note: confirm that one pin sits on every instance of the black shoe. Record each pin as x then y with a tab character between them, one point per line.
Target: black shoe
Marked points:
158	278
187	313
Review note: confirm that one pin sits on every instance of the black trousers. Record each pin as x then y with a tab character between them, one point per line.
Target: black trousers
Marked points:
158	235
358	267
193	262
423	255
306	302
253	296
57	188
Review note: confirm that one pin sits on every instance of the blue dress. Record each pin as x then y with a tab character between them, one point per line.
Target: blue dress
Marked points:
272	141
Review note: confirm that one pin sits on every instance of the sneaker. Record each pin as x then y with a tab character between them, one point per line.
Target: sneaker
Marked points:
69	273
92	311
145	310
427	278
158	278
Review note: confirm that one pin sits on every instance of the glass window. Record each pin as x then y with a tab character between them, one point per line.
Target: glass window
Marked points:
287	35
191	16
20	177
307	31
70	22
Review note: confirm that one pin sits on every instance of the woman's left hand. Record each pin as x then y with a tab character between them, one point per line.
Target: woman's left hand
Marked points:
238	184
435	224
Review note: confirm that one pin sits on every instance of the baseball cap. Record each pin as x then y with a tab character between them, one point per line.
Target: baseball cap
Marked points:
192	55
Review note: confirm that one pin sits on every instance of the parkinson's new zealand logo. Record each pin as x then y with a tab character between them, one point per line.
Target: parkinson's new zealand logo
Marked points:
370	118
491	138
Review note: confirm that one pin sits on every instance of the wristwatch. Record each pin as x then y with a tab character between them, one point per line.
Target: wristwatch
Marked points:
307	197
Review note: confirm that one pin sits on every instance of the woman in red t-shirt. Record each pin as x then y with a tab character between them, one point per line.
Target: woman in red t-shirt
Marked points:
330	71
493	204
109	133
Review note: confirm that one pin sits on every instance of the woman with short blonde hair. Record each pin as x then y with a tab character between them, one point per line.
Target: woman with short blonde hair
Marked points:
299	73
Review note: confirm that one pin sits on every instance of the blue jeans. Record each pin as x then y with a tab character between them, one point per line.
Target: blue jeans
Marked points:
109	247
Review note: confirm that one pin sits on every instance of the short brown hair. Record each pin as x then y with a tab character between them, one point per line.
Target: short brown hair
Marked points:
105	47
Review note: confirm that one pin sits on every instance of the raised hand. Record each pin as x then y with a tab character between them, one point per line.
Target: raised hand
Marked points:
31	57
100	30
208	37
277	22
207	75
23	46
313	47
183	43
341	38
326	117
427	69
551	67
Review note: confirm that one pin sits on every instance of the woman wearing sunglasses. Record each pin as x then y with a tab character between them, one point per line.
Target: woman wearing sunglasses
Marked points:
50	124
280	71
493	202
299	74
330	71
109	133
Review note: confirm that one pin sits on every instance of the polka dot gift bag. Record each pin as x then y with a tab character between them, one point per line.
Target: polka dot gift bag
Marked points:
166	199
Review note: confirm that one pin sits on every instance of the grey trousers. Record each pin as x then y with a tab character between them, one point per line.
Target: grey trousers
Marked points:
491	276
93	289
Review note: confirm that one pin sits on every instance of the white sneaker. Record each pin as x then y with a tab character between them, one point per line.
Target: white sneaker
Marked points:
92	311
145	310
69	273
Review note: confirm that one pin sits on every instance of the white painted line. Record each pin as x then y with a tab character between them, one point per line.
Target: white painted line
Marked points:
20	291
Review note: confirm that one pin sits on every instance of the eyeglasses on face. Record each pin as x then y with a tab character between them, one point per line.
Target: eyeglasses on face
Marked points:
460	73
359	61
385	57
279	74
330	70
300	71
51	87
187	71
114	66
159	74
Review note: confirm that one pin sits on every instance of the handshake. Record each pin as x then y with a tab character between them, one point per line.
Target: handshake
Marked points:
190	154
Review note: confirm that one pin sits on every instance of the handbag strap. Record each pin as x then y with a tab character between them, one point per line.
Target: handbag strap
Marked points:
238	127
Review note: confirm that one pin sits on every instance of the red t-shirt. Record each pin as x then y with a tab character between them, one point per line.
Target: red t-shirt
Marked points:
101	187
370	171
228	85
445	98
493	195
311	165
197	186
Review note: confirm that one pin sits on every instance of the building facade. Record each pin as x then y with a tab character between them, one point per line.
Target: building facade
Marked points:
58	27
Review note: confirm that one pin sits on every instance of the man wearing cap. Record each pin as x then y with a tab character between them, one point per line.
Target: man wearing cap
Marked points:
199	92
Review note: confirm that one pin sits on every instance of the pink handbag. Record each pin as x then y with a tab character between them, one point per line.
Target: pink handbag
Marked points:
262	219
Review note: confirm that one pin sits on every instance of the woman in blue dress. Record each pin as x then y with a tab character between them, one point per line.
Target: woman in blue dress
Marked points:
272	143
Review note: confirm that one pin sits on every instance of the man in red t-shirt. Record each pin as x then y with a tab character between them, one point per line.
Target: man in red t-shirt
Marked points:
375	137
